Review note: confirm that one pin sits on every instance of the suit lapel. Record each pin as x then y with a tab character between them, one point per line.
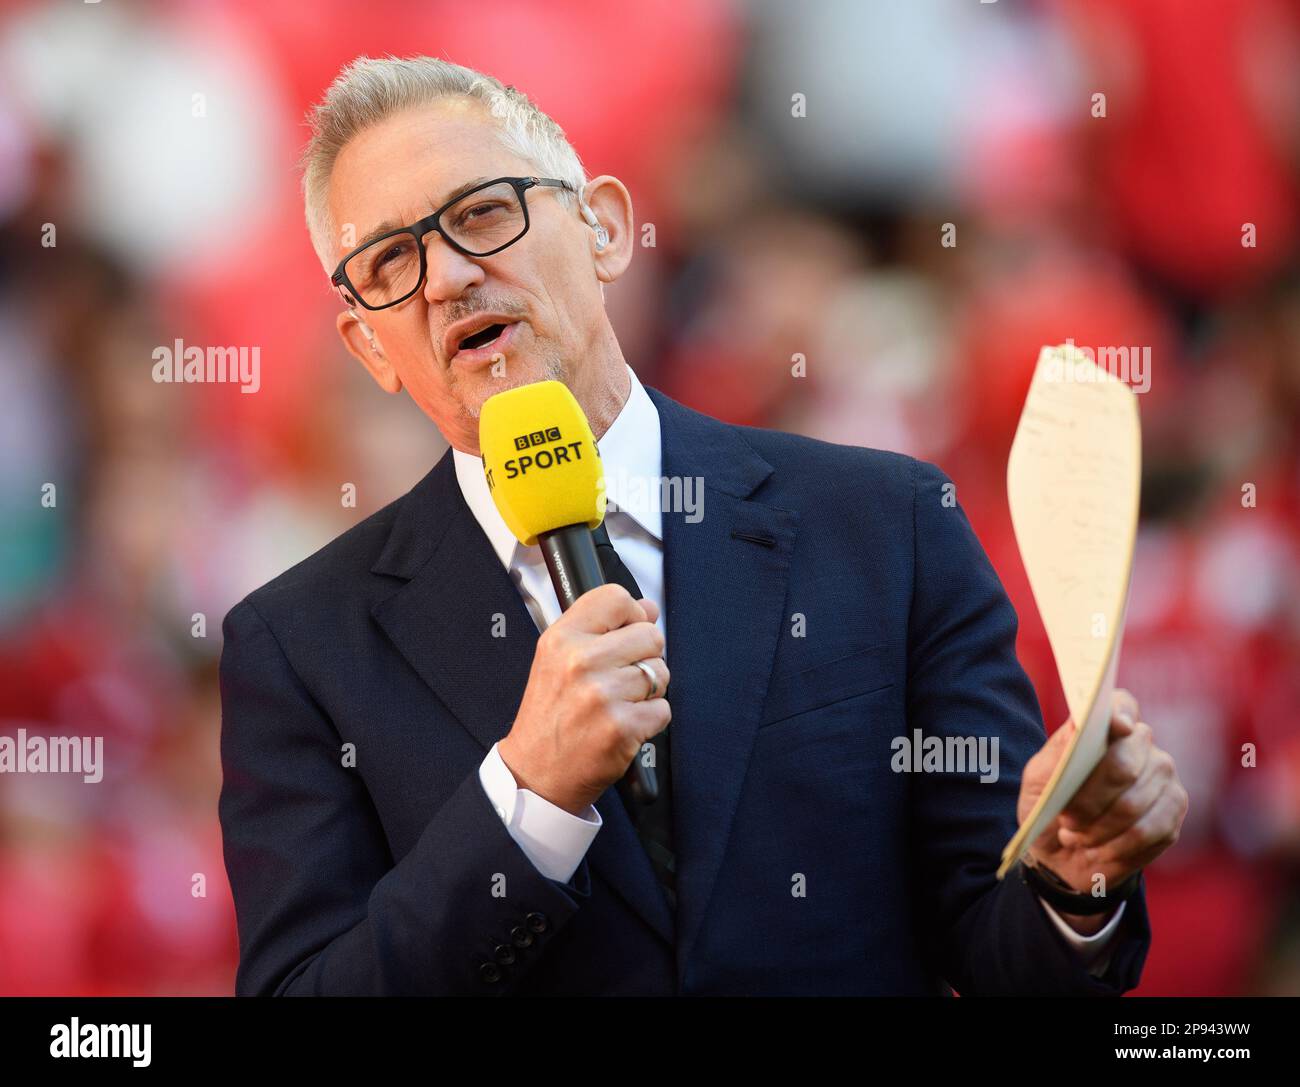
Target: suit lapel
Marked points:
725	585
446	619
443	622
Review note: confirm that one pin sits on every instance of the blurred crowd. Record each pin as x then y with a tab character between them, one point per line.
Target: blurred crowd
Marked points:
948	200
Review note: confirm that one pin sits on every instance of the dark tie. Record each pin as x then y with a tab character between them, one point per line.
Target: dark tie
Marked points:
654	821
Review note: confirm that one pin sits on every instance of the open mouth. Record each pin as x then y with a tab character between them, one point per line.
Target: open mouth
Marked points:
481	338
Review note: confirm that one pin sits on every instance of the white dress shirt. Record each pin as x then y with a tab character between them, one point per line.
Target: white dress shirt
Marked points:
553	839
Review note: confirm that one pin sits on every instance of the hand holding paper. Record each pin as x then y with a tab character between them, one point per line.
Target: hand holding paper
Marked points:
1099	799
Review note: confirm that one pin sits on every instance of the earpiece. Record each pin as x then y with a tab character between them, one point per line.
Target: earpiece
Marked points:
602	235
366	330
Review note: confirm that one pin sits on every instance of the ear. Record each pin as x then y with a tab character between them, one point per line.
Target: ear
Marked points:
369	353
609	199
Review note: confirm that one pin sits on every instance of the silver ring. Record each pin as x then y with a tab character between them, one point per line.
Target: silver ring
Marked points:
650	675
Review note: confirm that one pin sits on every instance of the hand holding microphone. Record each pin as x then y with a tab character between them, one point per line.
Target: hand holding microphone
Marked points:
585	714
589	706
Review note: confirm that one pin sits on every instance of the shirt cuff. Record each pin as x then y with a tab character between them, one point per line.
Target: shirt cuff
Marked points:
553	839
1094	950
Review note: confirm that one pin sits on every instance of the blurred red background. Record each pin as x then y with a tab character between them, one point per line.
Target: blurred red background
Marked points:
159	141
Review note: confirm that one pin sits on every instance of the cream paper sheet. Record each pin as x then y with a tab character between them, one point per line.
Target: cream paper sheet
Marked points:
1073	479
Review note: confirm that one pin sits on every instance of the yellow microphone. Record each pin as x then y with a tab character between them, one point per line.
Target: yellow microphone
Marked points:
541	460
544	473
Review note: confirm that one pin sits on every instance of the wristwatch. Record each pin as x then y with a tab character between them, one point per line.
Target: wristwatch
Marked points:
1062	897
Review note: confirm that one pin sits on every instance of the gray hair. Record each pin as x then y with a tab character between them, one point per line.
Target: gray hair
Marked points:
369	90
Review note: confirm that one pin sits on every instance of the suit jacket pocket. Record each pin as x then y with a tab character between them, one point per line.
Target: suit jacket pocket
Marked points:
846	676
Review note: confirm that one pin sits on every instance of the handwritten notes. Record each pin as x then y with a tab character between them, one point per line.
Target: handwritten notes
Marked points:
1073	480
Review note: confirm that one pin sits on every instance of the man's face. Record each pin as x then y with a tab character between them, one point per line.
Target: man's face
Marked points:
547	283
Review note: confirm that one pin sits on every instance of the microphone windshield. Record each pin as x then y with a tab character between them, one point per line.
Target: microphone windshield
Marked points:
540	458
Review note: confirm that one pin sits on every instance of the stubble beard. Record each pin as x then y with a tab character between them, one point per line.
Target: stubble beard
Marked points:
473	391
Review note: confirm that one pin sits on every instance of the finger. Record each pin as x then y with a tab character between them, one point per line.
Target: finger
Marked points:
1143	860
605	608
634	642
1119	727
1156	830
1125	810
634	686
651	609
1119	769
649	718
1123	709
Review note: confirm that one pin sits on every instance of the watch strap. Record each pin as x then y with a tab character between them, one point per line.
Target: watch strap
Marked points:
1062	897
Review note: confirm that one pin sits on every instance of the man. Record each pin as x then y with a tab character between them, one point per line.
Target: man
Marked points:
423	793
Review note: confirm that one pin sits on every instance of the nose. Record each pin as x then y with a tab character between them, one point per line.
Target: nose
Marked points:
447	272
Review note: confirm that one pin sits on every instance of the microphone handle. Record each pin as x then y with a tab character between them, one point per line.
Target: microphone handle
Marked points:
574	566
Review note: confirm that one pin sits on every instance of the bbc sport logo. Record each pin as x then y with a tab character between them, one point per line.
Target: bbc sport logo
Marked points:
538	437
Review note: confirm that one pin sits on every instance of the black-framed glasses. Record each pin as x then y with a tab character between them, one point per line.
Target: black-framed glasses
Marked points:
480	222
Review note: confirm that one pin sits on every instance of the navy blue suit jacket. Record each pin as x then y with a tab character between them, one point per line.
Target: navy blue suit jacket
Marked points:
806	865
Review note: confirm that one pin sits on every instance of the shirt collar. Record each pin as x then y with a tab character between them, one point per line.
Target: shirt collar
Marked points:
630	455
